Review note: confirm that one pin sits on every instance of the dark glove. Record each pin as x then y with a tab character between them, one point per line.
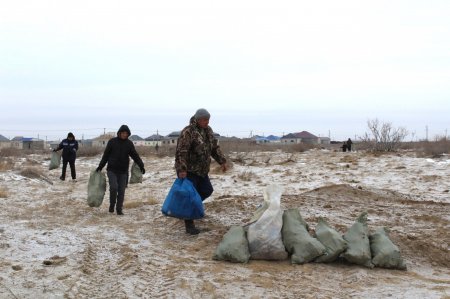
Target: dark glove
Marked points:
142	170
54	150
98	169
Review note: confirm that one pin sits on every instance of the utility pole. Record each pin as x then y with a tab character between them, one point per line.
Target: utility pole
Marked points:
104	131
426	130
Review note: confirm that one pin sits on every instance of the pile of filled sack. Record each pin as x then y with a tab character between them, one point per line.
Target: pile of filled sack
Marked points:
273	234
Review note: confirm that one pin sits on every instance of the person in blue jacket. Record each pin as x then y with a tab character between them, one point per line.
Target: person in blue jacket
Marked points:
69	154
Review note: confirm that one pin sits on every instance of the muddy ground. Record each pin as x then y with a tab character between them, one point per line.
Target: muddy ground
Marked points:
53	245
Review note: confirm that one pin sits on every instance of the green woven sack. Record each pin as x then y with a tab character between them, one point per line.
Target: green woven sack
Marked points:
385	254
331	239
96	188
357	237
297	240
55	161
136	174
233	247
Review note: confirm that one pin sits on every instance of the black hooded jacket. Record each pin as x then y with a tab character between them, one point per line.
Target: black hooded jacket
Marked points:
117	152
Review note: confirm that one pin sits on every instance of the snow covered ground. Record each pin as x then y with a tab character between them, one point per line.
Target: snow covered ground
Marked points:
53	245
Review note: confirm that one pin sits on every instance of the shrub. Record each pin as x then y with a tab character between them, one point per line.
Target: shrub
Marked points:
383	136
89	151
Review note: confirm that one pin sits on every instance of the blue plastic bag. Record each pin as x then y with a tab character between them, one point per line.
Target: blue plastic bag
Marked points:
183	201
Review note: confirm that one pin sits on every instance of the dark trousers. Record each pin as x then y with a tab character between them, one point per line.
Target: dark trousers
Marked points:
117	185
203	187
72	169
201	184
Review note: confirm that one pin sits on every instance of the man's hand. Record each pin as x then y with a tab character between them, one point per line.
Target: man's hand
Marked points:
182	174
98	169
142	170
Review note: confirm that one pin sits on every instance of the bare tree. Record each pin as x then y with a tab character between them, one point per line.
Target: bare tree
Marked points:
383	136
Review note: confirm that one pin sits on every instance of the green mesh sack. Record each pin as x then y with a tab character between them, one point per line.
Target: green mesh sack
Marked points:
331	239
297	240
233	247
385	254
55	161
357	237
96	188
136	174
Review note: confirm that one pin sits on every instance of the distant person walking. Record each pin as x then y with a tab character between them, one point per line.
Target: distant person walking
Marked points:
344	146
69	155
116	154
195	147
349	145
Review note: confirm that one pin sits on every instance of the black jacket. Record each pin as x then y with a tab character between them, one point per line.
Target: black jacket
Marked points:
117	153
69	148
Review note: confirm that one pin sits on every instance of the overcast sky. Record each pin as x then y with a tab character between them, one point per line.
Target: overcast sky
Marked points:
259	67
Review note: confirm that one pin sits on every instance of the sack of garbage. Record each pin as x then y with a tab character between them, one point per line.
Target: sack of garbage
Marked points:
385	254
96	188
297	240
264	235
357	237
331	239
136	174
55	161
233	247
183	201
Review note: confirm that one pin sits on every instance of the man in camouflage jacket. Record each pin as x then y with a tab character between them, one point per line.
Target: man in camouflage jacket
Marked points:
195	147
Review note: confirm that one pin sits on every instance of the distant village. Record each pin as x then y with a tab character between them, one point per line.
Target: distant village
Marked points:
20	142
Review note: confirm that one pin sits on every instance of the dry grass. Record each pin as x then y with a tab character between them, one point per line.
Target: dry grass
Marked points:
31	172
6	164
89	151
3	192
245	146
246	176
35	173
11	152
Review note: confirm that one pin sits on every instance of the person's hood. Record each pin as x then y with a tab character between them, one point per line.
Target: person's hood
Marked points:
124	128
193	121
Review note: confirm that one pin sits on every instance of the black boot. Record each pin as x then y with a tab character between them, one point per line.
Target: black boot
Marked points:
111	209
62	178
119	212
190	227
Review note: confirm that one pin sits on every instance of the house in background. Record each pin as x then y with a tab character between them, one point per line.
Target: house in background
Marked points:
137	140
268	139
301	137
325	140
154	140
27	143
102	140
172	138
4	142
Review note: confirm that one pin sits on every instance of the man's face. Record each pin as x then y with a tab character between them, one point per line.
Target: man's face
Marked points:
123	135
203	122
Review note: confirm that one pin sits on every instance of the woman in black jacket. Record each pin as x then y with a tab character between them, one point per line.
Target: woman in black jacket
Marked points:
116	154
69	154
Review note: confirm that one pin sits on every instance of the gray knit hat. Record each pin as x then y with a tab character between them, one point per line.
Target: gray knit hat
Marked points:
202	113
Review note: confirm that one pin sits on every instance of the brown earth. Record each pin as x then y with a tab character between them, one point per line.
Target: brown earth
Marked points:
54	246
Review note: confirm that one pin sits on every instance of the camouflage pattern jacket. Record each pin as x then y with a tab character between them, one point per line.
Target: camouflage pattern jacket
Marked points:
195	147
